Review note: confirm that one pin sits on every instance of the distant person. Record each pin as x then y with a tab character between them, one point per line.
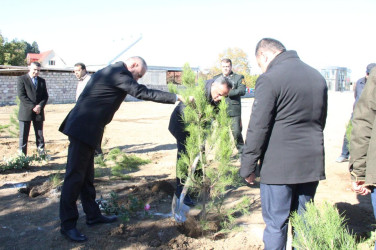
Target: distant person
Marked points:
84	125
82	76
215	90
234	101
362	164
358	88
285	136
32	92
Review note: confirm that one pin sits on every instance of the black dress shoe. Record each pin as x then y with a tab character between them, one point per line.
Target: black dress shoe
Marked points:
101	219
73	234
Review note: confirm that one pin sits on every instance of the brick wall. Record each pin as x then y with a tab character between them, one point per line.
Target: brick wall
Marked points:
61	85
8	88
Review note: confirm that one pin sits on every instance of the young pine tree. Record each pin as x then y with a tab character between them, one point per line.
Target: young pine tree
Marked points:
209	142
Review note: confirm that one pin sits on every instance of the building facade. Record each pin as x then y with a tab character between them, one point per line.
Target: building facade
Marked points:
337	78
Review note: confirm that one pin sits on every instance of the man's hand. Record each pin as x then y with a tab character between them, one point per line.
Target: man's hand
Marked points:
251	179
181	98
357	187
37	109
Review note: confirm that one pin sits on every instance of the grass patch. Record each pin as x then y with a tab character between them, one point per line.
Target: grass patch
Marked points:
56	180
116	164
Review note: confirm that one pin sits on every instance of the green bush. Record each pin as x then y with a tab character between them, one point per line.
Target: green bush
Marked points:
124	210
321	227
172	88
120	163
21	161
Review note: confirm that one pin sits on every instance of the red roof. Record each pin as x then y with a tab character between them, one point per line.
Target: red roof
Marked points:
33	57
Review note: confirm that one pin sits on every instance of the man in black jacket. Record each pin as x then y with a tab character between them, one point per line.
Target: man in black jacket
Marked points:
32	92
101	98
285	136
215	90
233	100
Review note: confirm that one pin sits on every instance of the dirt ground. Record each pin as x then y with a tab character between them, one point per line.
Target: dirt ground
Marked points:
140	128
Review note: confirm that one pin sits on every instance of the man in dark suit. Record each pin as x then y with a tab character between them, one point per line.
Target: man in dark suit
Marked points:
285	134
101	98
234	101
32	92
215	90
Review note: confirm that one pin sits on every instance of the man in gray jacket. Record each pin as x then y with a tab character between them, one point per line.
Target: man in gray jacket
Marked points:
358	88
363	142
285	136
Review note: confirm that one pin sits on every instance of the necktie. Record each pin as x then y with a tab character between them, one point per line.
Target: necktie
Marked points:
35	82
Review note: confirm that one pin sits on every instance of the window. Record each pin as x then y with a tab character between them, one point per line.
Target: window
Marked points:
51	62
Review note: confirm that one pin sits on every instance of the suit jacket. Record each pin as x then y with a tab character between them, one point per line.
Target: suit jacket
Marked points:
288	117
101	98
30	97
233	99
176	125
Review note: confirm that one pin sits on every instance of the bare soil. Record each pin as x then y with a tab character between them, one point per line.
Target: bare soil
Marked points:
29	206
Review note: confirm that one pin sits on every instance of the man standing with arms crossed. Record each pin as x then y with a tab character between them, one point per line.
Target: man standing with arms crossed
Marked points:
285	134
233	100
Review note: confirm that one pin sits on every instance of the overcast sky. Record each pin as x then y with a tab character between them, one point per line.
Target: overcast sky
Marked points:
324	33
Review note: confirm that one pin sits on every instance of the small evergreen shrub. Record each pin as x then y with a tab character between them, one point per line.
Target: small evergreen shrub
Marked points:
124	210
119	162
321	227
172	88
21	161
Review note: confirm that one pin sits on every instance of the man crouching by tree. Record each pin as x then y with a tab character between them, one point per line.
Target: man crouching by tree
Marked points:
84	125
285	133
215	90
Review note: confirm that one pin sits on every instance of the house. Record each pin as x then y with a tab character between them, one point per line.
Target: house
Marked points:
48	59
337	78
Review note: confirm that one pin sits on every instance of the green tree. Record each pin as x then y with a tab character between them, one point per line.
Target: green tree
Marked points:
31	48
188	77
14	53
35	48
2	41
208	150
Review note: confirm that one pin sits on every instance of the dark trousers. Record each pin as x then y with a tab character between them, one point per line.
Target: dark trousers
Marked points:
24	135
277	202
236	129
181	150
78	181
